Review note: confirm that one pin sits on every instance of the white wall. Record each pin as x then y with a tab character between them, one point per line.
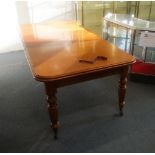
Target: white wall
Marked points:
44	10
22	12
9	36
13	13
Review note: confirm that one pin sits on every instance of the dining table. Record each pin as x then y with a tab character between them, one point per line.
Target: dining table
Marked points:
62	53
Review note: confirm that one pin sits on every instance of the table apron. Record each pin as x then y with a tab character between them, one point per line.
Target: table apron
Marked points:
86	77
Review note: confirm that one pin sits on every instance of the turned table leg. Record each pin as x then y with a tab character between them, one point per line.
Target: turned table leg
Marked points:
122	89
52	107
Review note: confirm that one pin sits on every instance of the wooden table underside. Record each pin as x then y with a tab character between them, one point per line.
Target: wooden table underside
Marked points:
51	90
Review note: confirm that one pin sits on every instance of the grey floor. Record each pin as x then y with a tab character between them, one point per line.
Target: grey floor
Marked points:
88	114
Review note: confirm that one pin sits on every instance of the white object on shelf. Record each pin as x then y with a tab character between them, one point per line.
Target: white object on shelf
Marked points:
147	39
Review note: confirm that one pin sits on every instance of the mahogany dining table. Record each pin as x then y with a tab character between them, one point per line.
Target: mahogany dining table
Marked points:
62	53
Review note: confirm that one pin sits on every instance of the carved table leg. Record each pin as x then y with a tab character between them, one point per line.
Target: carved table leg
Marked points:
122	89
52	107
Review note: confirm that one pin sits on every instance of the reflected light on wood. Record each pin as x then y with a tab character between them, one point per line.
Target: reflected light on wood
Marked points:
53	50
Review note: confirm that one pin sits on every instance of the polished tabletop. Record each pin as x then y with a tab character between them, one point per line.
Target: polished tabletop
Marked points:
130	21
53	50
